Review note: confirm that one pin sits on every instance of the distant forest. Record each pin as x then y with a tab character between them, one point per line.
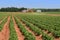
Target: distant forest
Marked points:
14	9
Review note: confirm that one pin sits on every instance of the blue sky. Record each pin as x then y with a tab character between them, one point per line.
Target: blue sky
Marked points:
30	3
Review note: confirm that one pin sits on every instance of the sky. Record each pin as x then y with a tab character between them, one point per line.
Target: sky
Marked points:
30	3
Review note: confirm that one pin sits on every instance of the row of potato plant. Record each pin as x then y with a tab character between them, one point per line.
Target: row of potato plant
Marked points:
44	22
28	35
2	23
13	35
38	31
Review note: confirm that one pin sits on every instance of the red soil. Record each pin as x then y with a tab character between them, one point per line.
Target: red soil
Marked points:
4	34
37	37
19	34
57	39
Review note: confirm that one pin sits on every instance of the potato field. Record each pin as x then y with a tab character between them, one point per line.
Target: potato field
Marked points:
29	26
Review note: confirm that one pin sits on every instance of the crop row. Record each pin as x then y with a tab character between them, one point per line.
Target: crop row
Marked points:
45	23
2	23
53	29
28	35
13	35
37	31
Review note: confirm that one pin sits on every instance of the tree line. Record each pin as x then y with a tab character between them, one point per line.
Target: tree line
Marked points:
14	9
50	10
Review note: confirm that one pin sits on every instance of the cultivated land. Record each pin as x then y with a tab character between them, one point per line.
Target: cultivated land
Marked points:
29	26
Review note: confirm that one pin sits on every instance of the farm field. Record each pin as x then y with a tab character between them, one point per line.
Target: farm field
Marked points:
29	26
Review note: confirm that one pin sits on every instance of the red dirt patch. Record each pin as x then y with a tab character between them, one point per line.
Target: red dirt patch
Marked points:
4	34
57	39
19	34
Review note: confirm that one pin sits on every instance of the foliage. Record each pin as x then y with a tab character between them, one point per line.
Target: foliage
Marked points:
13	35
28	36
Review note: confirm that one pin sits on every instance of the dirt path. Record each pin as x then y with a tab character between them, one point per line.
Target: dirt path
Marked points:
37	37
4	34
57	39
19	34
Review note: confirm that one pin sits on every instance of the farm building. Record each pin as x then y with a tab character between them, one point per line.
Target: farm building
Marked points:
38	10
28	10
24	11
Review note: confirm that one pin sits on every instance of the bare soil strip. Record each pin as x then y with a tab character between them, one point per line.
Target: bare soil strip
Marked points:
57	39
4	34
19	34
37	37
